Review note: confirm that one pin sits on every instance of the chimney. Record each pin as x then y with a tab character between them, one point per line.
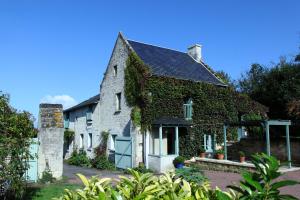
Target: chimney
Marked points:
195	52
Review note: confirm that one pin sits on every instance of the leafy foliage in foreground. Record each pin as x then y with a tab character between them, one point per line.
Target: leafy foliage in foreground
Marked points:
258	185
16	131
261	184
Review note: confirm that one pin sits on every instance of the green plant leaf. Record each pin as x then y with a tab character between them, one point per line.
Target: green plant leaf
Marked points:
284	183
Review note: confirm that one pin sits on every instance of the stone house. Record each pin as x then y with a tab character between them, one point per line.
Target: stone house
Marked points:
109	111
83	120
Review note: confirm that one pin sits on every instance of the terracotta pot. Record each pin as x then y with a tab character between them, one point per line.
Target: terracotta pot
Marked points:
202	155
242	159
220	156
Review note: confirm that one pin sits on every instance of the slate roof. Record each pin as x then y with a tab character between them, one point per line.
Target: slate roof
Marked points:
172	63
90	101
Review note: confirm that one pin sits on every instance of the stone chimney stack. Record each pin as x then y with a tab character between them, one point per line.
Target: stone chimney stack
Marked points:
195	52
51	139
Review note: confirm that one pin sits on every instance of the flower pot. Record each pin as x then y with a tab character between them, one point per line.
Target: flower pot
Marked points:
179	165
220	156
202	155
242	159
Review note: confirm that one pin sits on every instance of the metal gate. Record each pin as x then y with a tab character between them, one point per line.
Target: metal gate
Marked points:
31	173
123	152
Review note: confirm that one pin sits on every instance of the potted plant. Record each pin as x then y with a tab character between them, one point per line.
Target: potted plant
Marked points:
242	156
179	162
220	154
201	152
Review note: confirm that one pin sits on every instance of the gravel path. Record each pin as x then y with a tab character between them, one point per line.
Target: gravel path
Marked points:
70	172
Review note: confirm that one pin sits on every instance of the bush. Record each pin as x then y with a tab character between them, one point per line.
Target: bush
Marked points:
141	169
79	159
178	160
47	177
191	174
101	162
257	185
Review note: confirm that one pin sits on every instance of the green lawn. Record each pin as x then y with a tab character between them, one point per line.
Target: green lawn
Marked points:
45	192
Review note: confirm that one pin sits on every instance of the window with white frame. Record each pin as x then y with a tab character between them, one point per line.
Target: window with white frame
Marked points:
81	141
118	102
90	141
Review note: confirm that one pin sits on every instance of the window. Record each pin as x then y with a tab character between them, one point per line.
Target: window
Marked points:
81	141
118	102
67	120
168	141
89	114
115	70
188	109
90	141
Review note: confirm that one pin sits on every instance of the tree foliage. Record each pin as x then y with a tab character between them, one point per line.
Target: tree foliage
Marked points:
277	87
16	131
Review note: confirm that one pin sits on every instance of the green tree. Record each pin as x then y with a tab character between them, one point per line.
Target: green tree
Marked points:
225	77
16	129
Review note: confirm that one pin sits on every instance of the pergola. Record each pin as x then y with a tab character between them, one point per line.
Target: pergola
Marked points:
266	125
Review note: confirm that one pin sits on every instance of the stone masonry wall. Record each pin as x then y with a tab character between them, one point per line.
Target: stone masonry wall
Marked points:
51	137
117	123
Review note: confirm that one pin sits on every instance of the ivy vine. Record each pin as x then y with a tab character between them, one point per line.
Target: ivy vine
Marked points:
158	96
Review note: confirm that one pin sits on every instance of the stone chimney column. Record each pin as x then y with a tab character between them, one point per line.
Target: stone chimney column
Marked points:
51	139
195	52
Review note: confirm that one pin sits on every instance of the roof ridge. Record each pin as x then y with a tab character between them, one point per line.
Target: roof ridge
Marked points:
156	46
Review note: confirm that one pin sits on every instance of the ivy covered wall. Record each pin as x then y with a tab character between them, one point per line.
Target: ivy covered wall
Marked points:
164	97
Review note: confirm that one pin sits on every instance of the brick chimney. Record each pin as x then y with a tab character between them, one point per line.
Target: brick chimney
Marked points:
195	52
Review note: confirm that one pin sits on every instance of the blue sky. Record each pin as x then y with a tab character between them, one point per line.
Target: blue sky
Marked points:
58	50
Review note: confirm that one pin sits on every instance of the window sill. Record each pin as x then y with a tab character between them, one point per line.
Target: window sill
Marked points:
89	149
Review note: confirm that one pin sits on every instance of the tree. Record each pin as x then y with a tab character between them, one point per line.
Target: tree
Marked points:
16	130
226	78
274	87
251	81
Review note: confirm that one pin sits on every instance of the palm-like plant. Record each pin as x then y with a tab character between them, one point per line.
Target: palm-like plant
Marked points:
261	184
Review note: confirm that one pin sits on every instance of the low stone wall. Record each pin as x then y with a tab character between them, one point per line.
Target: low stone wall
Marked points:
220	165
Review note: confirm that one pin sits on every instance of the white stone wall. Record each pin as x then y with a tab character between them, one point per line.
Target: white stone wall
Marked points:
79	125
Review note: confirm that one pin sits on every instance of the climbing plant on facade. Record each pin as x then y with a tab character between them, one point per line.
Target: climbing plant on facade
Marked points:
158	96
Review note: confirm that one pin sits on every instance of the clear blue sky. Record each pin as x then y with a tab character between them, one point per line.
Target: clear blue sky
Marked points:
52	48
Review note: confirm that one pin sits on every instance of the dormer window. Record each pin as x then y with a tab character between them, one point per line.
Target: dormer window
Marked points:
188	109
115	70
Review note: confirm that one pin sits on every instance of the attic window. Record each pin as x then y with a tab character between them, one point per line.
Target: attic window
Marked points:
115	70
188	109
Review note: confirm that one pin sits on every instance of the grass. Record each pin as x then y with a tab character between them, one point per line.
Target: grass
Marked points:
45	192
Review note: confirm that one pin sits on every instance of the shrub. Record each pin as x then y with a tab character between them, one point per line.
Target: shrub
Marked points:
178	160
79	159
101	162
47	177
141	169
257	186
191	174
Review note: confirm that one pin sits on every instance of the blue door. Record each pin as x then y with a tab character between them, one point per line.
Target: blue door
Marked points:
31	173
123	152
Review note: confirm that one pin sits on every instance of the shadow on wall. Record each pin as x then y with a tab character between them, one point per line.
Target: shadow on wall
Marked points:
126	130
